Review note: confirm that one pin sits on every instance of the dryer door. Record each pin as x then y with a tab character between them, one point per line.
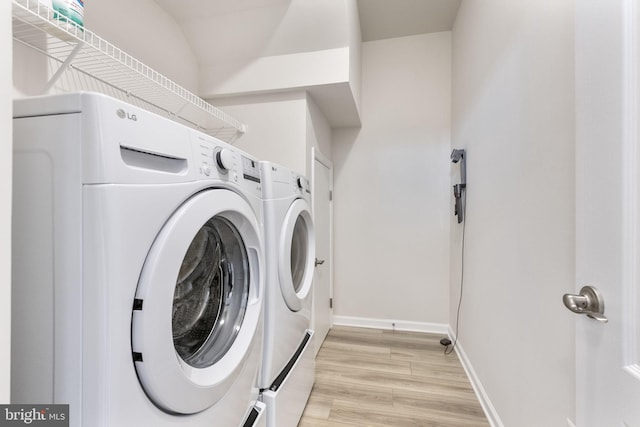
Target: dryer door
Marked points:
297	254
197	309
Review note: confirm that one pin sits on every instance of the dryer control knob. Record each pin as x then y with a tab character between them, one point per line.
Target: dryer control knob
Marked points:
300	183
224	159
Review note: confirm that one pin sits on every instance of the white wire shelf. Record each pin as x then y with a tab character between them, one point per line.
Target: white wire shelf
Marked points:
82	60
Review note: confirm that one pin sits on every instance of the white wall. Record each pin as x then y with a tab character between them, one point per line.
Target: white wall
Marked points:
355	52
30	71
319	134
5	202
292	45
282	127
277	73
145	31
391	185
276	126
271	29
239	35
513	111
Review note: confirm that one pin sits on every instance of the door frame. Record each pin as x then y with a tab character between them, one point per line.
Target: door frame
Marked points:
630	175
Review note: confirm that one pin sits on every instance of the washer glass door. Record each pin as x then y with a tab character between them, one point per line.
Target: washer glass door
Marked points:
297	254
211	294
196	317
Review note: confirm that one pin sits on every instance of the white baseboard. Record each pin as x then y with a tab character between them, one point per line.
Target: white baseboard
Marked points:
485	402
390	324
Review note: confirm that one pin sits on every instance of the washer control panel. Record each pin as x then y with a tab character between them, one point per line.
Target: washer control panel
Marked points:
250	169
215	162
224	158
219	160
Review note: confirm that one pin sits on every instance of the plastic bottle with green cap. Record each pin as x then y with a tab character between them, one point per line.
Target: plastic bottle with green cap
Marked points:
69	9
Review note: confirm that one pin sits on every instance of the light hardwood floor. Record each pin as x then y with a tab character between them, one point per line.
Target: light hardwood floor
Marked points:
370	377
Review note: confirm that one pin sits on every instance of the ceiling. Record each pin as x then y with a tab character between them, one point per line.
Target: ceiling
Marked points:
384	19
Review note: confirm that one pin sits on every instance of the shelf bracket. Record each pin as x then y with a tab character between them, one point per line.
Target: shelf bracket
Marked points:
63	67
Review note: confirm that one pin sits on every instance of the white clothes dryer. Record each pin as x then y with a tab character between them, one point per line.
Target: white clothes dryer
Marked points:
138	268
288	366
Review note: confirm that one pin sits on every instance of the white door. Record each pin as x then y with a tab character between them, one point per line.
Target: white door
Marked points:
607	214
322	173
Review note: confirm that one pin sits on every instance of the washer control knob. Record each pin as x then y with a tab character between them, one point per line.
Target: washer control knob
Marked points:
300	182
206	169
224	159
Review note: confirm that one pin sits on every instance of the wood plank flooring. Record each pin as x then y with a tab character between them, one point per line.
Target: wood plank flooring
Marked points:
371	377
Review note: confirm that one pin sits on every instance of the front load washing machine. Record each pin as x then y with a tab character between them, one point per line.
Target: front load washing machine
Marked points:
288	366
138	268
